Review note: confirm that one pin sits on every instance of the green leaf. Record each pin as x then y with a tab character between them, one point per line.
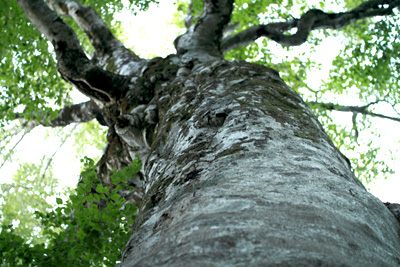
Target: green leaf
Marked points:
99	188
115	197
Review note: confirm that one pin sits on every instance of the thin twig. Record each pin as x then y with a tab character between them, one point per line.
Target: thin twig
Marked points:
55	152
354	109
16	144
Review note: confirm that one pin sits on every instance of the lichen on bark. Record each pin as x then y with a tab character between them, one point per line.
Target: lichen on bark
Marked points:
223	160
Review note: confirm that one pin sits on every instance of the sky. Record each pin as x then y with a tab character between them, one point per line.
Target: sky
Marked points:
140	35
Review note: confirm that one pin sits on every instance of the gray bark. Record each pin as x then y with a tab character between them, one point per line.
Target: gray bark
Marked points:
242	173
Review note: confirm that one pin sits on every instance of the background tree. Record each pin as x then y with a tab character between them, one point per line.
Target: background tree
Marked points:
221	135
29	192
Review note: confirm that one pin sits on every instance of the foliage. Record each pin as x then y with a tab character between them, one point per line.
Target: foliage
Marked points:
367	69
94	219
30	190
89	136
29	82
372	49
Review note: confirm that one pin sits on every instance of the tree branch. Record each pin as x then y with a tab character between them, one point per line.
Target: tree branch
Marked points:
354	109
105	44
189	16
206	35
73	64
82	112
312	20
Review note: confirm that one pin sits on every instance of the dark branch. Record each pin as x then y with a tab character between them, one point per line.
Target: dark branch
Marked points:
312	20
206	35
354	109
73	64
189	16
105	44
82	112
355	128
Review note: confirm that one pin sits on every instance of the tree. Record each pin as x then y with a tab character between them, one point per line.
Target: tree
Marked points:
236	168
28	193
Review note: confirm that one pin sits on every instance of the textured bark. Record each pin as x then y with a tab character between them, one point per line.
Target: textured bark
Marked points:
242	173
236	168
202	41
394	208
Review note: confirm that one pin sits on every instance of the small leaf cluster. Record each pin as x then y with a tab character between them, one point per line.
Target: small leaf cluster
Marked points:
89	229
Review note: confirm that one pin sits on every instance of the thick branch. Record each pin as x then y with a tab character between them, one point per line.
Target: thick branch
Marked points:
312	20
206	35
82	112
73	64
354	109
105	44
189	16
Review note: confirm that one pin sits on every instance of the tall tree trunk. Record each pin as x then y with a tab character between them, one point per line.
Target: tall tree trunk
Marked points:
241	173
236	168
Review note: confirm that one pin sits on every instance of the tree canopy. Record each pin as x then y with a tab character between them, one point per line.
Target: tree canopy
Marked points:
36	78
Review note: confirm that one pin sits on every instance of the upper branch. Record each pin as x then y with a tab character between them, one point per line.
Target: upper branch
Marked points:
354	109
206	35
73	64
104	42
189	16
311	20
82	112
